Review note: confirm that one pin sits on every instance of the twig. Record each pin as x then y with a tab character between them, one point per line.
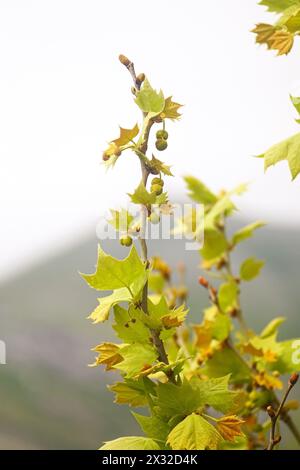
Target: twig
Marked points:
275	415
158	343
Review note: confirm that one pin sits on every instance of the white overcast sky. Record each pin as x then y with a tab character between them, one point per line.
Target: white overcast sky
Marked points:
63	95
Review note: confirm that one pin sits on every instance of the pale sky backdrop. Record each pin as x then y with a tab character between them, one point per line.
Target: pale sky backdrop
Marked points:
63	94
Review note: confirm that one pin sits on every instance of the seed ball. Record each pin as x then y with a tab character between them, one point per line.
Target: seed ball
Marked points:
125	240
161	145
157	181
157	189
162	134
154	218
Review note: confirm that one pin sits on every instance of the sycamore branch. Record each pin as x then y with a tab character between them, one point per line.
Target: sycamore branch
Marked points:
138	80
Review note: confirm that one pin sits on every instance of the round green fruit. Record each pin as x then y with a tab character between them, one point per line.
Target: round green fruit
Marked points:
154	218
125	240
157	189
162	134
161	144
157	181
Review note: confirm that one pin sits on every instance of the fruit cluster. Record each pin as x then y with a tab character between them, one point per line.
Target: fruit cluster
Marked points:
161	140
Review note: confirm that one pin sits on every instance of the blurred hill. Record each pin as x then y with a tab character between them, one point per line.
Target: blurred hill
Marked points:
49	398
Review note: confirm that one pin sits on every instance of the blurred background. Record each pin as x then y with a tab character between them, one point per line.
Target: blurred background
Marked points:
63	95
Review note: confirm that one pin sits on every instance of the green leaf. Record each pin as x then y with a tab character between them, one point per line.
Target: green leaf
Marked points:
199	192
177	400
267	344
246	232
217	323
250	269
101	313
224	206
156	310
136	357
288	150
126	136
129	325
170	110
132	392
148	100
131	443
296	102
157	166
153	426
215	393
272	327
115	274
291	19
278	6
288	360
228	362
142	196
194	433
221	327
228	296
215	244
121	220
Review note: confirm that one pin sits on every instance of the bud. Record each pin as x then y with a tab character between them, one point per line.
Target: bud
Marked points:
214	291
124	60
234	312
133	90
140	78
293	379
277	440
203	282
105	157
271	412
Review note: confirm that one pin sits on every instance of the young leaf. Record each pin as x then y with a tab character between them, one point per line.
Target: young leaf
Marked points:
178	400
216	394
112	273
131	392
142	196
129	325
230	427
246	232
175	317
136	357
153	426
170	110
264	33
268	348
121	220
288	150
250	269
199	192
157	166
288	360
101	313
272	327
215	244
296	102
228	296
126	136
194	433
131	443
228	362
278	6
149	101
109	355
282	41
